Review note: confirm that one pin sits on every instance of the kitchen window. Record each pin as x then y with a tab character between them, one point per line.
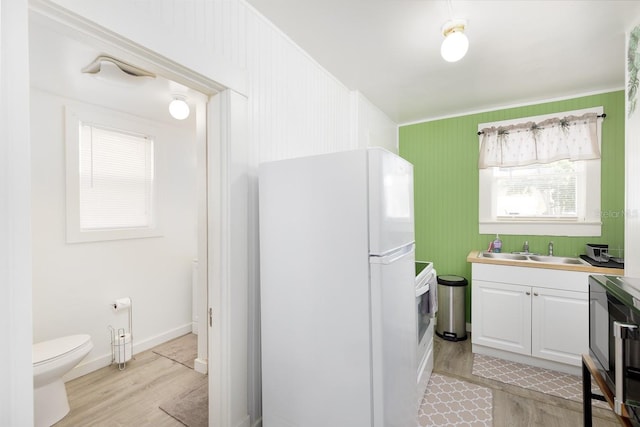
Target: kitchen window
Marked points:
111	188
554	191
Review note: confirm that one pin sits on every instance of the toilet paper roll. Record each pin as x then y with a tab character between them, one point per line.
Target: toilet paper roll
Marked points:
122	349
121	304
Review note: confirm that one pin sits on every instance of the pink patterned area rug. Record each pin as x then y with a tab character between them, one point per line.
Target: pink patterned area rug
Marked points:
452	402
542	380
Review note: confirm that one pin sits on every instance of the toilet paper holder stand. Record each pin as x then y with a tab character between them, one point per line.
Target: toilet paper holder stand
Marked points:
121	339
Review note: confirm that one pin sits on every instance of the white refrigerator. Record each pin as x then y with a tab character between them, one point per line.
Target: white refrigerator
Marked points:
338	316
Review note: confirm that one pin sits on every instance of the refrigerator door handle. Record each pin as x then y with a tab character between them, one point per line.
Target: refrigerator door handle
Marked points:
392	257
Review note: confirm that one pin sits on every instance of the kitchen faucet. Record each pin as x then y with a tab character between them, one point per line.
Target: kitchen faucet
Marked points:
550	248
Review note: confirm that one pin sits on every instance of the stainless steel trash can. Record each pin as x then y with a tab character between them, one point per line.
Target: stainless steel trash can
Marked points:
451	323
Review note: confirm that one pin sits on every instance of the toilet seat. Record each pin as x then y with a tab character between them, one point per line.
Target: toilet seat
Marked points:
49	351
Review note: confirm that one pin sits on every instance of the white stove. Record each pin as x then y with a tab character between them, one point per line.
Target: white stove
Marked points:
426	306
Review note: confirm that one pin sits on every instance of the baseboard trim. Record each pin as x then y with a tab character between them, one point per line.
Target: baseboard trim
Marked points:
527	360
200	365
138	346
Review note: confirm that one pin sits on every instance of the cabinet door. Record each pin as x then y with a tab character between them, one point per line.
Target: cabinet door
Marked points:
501	316
560	325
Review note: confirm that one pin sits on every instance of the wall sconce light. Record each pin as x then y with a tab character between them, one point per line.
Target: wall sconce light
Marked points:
178	108
455	44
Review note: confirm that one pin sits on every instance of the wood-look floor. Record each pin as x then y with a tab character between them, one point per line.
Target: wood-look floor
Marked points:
109	397
514	406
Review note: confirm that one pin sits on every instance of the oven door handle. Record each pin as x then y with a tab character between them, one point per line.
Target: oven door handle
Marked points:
621	331
423	289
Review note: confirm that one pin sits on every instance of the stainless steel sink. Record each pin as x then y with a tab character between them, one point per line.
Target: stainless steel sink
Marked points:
500	255
555	259
534	258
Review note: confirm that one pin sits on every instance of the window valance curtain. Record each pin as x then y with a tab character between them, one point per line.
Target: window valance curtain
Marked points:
571	137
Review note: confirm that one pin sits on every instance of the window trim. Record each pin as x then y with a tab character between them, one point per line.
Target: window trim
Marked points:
74	116
589	226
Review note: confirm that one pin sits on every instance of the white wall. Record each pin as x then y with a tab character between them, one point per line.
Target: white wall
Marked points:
373	128
73	283
16	377
632	181
206	36
295	107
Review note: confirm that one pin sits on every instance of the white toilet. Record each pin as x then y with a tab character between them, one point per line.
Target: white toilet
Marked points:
51	360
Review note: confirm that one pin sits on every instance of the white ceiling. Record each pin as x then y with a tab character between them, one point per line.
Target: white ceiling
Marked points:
520	51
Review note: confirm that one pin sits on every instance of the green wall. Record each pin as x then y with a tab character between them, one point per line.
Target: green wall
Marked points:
445	158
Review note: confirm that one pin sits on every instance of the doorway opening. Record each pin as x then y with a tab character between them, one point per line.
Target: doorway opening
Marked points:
58	52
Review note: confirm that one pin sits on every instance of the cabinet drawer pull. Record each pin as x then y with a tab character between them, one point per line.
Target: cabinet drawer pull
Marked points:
528	293
535	294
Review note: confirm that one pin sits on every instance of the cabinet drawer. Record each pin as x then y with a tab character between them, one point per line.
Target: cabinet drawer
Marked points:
577	281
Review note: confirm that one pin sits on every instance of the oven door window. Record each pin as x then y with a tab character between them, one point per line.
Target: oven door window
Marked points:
424	315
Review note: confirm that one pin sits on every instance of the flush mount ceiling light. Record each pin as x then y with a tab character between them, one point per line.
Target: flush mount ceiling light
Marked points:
178	108
455	44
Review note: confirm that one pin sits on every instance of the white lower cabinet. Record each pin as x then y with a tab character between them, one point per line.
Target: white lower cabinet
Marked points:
559	325
546	319
501	316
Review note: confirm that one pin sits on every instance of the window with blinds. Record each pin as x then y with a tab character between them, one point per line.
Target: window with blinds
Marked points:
538	191
111	175
555	195
116	179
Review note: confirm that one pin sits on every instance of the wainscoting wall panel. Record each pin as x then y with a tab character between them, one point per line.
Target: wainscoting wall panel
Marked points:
296	108
372	127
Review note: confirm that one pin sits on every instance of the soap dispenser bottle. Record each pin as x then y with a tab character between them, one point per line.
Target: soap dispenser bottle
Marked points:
497	244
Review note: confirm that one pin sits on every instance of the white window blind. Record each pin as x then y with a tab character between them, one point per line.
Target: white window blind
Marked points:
116	179
541	191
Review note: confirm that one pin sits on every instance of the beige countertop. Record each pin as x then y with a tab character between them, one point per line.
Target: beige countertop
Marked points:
475	258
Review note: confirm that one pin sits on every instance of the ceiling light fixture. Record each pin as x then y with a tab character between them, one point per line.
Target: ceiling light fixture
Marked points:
455	44
178	108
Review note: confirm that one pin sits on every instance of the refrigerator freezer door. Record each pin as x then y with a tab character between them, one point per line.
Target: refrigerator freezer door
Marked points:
394	339
390	202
